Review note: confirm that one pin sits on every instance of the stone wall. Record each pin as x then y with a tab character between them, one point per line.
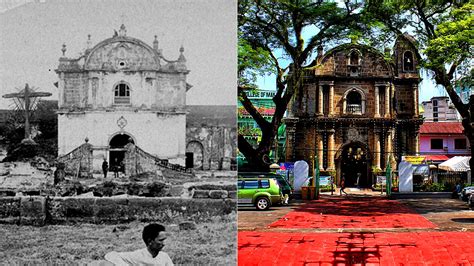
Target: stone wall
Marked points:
218	146
39	210
79	161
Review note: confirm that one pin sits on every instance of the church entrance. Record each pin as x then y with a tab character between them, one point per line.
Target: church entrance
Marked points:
353	163
194	155
117	151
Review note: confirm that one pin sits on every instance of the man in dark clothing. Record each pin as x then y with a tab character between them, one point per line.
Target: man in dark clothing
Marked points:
116	168
59	174
105	167
343	185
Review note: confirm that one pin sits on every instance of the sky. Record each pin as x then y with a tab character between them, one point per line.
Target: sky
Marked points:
33	32
427	87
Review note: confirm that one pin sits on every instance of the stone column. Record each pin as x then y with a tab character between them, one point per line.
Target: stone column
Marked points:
344	105
377	104
387	101
321	151
388	147
331	149
102	94
377	149
290	138
61	90
417	143
392	96
415	100
331	99
321	100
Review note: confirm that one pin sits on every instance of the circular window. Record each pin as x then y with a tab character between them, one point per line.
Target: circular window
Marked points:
122	63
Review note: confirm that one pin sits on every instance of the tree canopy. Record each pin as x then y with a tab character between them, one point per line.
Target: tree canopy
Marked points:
275	30
444	30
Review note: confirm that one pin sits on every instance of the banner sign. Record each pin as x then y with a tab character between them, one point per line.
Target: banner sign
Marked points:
414	159
381	179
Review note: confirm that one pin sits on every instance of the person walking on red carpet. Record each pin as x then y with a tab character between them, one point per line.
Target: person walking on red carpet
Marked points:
343	185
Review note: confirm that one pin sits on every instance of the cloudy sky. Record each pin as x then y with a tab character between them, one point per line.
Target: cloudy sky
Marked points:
32	34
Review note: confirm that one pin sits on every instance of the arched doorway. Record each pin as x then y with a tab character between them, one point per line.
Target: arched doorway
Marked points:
194	155
117	150
354	159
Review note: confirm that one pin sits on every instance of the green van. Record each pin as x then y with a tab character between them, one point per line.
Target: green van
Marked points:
259	192
285	186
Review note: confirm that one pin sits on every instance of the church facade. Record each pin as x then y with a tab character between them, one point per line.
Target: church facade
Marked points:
119	91
357	111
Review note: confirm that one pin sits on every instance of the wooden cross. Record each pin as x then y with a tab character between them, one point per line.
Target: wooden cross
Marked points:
25	100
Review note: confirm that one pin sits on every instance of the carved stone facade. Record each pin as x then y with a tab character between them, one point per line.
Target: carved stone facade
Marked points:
357	111
119	90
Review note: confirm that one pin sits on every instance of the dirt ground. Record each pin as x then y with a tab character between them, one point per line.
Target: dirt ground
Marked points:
211	243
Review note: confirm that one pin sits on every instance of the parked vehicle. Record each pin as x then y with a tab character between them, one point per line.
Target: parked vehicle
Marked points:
285	185
470	201
259	192
466	192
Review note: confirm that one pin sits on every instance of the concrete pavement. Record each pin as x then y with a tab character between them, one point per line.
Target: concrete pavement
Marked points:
359	229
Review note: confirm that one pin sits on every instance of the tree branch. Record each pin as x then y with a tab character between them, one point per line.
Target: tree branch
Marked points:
248	105
428	26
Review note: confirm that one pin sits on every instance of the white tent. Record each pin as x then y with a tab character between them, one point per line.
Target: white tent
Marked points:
457	163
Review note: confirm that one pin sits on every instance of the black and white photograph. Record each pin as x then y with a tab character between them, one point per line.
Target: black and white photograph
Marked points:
118	132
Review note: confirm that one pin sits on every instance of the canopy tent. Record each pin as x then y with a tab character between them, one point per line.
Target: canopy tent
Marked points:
457	163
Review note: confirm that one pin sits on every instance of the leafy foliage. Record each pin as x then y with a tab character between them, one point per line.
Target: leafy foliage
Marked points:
433	187
275	30
252	62
454	39
445	33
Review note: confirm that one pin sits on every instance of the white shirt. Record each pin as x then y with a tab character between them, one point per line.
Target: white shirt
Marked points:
138	257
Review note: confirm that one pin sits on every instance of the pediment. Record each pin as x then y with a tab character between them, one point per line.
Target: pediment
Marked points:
122	55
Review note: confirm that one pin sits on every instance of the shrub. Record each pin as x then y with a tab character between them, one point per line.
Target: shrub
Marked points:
433	187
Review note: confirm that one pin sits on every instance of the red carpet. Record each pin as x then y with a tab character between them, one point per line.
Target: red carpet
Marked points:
414	248
353	212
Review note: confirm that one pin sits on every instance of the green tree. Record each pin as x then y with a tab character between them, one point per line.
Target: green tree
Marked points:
445	34
276	29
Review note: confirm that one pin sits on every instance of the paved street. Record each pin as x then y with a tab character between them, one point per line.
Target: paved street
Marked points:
358	230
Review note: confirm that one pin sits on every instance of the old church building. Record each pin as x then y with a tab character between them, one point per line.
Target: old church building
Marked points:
123	94
358	111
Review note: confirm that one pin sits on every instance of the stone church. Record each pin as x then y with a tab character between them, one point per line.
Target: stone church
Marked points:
357	112
128	103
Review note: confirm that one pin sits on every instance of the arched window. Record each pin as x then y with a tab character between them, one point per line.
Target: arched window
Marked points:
354	63
408	61
354	97
122	94
354	102
354	58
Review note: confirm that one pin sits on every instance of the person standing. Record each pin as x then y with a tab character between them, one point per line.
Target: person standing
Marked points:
358	180
105	167
343	185
116	168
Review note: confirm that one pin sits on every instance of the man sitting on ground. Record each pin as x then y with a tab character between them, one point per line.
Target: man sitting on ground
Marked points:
154	236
